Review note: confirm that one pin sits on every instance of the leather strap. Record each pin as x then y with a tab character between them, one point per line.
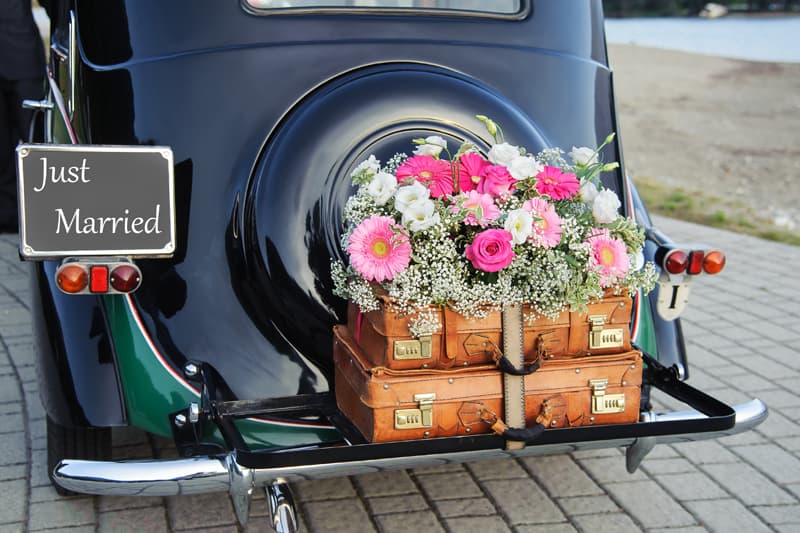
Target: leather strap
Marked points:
513	386
450	333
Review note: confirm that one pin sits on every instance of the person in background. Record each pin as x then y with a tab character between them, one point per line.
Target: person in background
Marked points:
22	72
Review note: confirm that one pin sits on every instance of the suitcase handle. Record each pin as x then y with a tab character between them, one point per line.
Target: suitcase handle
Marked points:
527	435
506	366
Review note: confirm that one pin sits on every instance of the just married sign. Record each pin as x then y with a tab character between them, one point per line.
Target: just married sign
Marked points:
95	200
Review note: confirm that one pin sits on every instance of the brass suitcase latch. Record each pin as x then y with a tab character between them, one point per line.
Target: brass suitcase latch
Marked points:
413	349
601	337
421	417
603	403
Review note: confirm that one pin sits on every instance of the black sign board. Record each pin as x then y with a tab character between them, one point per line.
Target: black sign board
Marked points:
79	200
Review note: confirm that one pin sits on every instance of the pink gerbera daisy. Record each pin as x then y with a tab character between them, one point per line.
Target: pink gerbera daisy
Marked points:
608	257
546	224
556	184
470	171
434	173
480	208
379	249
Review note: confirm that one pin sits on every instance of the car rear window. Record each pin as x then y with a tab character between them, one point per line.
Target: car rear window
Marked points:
467	7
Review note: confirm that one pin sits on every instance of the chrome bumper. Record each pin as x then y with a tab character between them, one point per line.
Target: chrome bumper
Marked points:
222	473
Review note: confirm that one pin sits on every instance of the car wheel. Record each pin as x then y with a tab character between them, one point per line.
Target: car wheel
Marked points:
75	443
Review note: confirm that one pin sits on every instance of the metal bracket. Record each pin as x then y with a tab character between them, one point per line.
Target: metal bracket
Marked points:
281	507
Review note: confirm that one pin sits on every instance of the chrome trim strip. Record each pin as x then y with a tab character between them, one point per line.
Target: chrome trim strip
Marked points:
170	477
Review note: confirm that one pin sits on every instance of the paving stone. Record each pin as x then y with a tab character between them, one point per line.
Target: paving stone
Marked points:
779	398
778	464
637	499
19	527
606	523
407	522
323	489
407	503
13	448
726	515
61	514
562	476
747	484
9	390
133	521
705	451
465	507
692	486
588	505
337	516
502	469
449	486
119	503
667	466
777	425
182	511
548	528
477	524
385	484
523	502
13	472
689	529
607	469
780	514
13	501
440	469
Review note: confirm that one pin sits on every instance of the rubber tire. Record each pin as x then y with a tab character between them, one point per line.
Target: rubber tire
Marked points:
75	443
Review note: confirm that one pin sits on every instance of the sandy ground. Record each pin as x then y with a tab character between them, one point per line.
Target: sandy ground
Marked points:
727	127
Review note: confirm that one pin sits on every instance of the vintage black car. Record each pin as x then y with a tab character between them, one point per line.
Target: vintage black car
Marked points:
242	121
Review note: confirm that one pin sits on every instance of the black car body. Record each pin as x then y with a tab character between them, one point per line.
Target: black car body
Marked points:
226	346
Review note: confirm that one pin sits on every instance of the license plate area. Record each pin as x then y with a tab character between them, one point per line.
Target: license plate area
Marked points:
86	200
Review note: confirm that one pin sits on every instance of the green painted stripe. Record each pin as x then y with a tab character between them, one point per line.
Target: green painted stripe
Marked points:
151	392
646	336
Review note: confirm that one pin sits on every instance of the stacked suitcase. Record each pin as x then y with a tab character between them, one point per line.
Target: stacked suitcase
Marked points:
580	370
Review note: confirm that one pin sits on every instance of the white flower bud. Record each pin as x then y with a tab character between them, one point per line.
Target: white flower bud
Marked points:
420	215
503	154
370	167
524	167
605	207
583	156
433	146
382	187
408	194
637	261
520	224
588	192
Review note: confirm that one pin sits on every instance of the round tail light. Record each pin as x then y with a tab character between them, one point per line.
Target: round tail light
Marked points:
72	278
125	278
676	262
713	262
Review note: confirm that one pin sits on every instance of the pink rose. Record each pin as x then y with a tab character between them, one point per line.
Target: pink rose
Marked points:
491	250
497	181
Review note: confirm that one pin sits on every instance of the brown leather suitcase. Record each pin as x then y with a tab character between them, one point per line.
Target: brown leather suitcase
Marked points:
389	405
386	340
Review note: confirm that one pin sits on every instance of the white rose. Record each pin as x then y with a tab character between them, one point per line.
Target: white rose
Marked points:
370	166
408	194
382	187
583	156
420	215
637	261
503	154
524	167
432	147
588	192
605	207
520	224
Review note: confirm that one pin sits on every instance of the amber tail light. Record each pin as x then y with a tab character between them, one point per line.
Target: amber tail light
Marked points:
98	276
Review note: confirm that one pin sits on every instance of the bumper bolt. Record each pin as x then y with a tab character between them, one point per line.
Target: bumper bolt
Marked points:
191	370
180	420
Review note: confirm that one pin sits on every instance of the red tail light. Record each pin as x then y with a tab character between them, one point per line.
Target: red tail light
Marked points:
714	262
98	276
676	262
695	262
72	278
125	278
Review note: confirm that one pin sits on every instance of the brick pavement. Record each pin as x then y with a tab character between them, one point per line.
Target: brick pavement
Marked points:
742	330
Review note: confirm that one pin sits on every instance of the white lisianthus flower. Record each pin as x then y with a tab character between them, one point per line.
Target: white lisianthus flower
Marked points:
583	156
382	187
420	215
503	154
605	207
636	261
522	167
588	193
520	224
432	147
408	194
369	167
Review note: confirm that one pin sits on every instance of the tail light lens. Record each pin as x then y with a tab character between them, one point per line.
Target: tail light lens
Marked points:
83	276
695	262
714	262
72	278
676	262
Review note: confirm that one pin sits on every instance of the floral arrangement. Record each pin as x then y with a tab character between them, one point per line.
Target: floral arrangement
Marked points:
476	232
